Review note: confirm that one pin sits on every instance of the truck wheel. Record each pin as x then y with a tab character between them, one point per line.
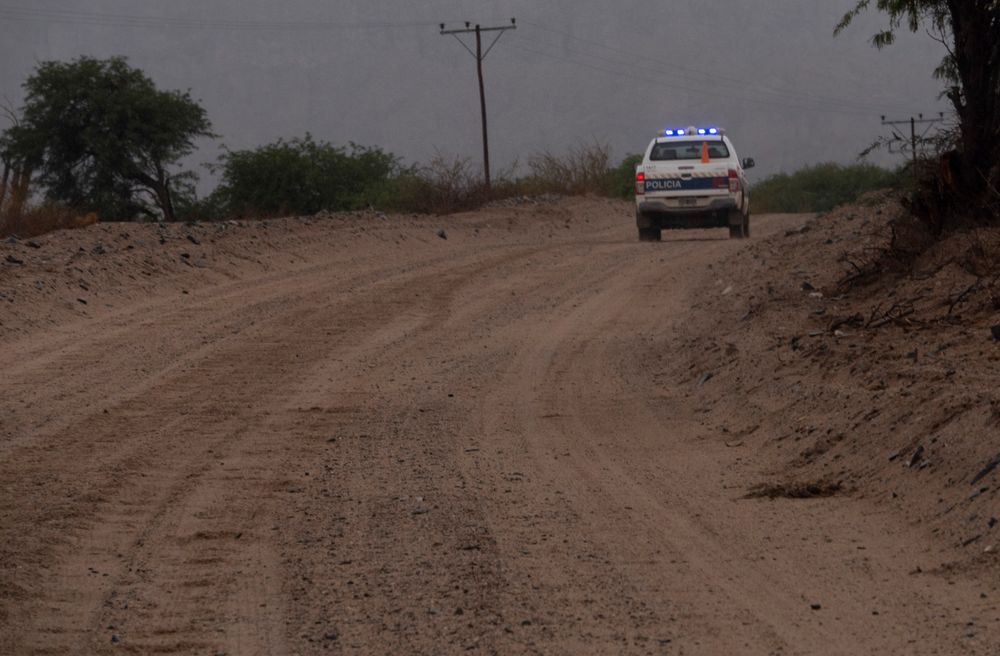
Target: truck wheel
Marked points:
649	234
740	230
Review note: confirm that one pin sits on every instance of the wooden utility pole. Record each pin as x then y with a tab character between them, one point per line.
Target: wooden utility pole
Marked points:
913	121
480	55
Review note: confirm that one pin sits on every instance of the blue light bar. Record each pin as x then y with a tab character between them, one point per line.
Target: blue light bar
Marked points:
682	132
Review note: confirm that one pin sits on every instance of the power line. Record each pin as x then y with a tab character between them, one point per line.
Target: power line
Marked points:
32	14
748	92
480	55
913	121
743	86
699	90
14	12
698	75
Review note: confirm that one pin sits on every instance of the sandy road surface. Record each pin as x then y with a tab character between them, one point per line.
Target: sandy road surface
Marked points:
425	446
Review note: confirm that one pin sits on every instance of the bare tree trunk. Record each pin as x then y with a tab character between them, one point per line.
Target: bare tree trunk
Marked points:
5	219
4	181
166	200
160	187
19	193
168	205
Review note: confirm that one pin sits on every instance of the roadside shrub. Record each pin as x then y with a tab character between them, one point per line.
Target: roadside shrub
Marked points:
448	185
624	176
585	169
443	186
21	213
301	176
37	220
209	208
820	188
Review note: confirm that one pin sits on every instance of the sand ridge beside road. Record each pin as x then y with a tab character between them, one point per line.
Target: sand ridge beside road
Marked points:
357	436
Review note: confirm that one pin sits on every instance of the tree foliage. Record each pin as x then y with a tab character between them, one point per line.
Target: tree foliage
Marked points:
100	136
970	31
624	176
301	176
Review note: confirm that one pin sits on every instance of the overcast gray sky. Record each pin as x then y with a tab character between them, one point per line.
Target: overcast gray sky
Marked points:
377	72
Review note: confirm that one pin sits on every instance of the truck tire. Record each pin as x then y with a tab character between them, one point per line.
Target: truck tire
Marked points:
740	230
649	234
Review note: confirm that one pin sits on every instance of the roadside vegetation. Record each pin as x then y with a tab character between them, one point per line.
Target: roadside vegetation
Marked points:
952	198
96	139
959	175
98	136
301	176
821	188
76	150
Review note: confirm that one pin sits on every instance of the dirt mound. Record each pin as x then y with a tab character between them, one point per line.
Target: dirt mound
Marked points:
79	274
884	385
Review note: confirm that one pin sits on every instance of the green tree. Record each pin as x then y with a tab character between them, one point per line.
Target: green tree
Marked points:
624	176
302	176
970	30
100	136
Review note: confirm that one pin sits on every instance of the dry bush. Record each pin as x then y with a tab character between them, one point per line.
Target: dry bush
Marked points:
453	184
444	186
982	256
909	238
42	219
585	169
913	244
909	274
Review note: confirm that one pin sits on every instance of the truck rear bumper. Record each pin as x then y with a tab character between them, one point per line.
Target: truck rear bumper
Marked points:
719	213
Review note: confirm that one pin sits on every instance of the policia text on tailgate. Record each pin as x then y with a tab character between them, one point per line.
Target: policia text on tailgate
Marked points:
692	178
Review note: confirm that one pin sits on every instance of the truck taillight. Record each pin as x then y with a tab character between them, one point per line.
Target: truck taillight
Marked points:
640	183
734	181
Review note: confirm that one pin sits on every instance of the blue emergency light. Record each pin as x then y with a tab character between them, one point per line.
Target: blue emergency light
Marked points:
685	132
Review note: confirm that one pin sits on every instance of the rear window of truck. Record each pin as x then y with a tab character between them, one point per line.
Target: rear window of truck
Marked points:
681	150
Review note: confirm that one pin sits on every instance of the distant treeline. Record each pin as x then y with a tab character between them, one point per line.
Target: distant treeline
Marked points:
820	188
305	176
97	136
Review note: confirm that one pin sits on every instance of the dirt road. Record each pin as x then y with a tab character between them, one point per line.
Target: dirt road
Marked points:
386	442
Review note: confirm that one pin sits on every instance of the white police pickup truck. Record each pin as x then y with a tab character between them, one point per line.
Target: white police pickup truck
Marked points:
692	178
